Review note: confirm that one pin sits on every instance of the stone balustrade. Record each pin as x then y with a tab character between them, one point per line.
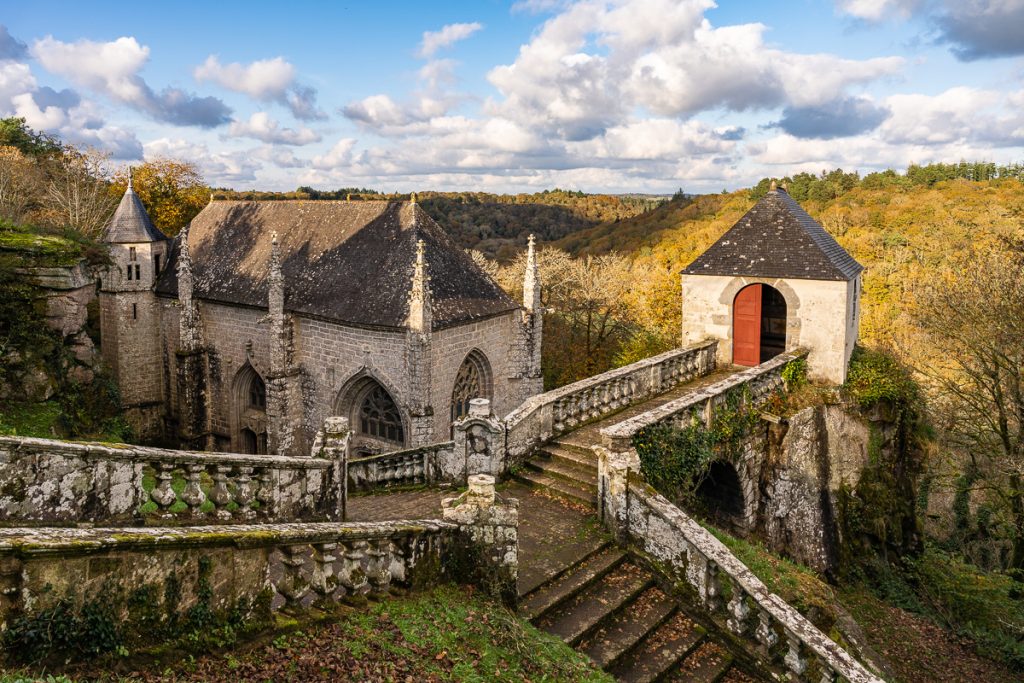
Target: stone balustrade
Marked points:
554	413
407	467
758	384
246	571
44	481
687	552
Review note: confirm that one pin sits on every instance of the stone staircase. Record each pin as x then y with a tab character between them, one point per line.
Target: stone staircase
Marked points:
605	603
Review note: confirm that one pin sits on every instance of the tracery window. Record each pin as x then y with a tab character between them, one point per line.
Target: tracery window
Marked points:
379	416
257	393
468	384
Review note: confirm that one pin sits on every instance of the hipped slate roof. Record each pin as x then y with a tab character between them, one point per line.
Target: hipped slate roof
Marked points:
777	238
130	222
350	262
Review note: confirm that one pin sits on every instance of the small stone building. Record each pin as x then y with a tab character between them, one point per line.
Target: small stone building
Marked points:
263	318
775	281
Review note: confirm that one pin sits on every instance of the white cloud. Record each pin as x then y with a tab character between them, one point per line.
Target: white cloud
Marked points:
339	155
446	37
219	168
261	127
265	80
877	10
112	68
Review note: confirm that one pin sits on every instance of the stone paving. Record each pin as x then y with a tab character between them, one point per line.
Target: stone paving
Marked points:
552	533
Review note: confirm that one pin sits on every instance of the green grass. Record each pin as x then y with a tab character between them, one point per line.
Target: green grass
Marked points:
447	634
32	419
43	249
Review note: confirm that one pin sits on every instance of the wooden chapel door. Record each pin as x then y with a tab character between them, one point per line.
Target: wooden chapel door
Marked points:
746	326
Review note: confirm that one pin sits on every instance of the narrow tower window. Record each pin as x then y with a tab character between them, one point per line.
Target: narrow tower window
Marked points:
131	253
135	311
130	271
137	276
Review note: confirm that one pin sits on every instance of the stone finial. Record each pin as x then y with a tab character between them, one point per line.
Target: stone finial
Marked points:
481	489
531	280
419	293
774	186
413	198
130	179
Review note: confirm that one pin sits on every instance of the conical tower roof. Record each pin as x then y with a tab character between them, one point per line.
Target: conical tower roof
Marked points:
130	222
777	239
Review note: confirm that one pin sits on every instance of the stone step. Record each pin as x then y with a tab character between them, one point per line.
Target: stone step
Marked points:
559	487
573	475
572	442
709	663
628	628
660	651
569	583
586	461
577	617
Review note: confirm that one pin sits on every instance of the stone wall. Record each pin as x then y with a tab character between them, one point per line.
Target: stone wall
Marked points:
149	583
333	357
686	554
43	481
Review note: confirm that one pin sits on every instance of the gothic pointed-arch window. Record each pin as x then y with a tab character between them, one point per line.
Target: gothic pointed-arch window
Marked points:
472	381
379	416
257	393
250	413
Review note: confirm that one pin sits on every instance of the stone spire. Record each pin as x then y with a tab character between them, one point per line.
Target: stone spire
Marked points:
419	294
531	280
188	322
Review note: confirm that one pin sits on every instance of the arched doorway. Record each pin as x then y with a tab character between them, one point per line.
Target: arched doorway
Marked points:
375	418
472	381
250	398
721	495
758	324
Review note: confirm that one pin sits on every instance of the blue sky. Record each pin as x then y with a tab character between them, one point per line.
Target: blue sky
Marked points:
598	95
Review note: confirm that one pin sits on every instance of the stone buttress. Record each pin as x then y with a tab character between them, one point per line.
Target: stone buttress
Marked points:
285	404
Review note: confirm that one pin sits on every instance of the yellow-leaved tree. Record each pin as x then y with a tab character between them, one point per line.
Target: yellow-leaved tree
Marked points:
172	191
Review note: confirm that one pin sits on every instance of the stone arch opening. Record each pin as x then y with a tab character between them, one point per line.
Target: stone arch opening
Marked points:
250	399
720	494
473	380
759	313
377	422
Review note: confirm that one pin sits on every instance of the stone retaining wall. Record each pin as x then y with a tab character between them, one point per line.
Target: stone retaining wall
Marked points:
688	554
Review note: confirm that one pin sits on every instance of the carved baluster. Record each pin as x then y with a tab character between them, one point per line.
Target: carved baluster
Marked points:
828	674
192	494
324	581
766	635
378	567
352	575
265	494
220	494
739	609
399	557
162	494
796	658
557	417
292	585
714	601
244	493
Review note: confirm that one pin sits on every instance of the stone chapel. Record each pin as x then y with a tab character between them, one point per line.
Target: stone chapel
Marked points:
262	318
774	282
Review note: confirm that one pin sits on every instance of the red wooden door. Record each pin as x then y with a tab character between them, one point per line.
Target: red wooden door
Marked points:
746	326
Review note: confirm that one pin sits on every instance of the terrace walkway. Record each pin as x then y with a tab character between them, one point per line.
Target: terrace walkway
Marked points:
574	582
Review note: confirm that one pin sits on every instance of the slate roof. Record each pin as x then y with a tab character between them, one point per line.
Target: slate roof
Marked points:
349	262
130	222
777	239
